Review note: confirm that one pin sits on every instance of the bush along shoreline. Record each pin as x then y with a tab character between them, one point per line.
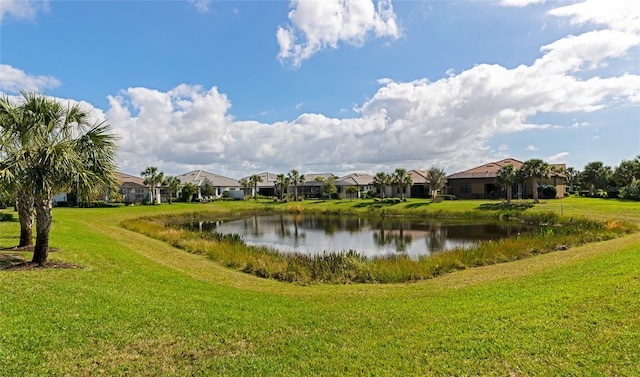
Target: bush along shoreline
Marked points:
554	234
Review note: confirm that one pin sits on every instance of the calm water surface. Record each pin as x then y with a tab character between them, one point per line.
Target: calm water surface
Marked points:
316	234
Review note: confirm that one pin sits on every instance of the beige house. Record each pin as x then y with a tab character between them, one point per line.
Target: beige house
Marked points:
132	188
480	182
219	182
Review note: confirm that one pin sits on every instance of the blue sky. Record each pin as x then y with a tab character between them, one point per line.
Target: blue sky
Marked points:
241	87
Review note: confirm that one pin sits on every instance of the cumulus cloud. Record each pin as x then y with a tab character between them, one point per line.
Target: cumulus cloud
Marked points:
22	8
531	148
316	25
13	80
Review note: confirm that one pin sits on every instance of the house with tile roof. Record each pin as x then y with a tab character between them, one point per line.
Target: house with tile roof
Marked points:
480	182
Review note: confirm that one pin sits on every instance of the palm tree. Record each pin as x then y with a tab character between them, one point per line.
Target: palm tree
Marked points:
295	178
14	127
381	181
282	182
254	180
152	178
245	185
537	170
61	149
436	179
401	179
572	177
506	178
173	184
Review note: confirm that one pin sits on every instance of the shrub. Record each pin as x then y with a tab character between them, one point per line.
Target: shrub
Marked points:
549	192
631	192
6	216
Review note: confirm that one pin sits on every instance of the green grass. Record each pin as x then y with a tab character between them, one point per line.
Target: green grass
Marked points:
138	306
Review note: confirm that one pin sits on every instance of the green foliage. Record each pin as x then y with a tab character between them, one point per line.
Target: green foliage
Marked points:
631	192
207	188
549	192
6	216
188	191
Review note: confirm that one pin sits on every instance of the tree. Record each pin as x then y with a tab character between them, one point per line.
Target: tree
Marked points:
173	184
506	178
625	173
282	182
595	175
188	191
350	191
152	178
401	179
381	181
436	179
60	149
207	188
14	131
245	185
535	169
295	178
572	176
254	180
329	187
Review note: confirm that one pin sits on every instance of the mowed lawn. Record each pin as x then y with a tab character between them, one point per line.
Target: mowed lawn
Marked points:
136	306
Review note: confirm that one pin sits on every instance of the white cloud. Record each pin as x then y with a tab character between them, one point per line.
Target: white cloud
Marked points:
503	147
558	157
201	5
22	8
622	15
448	122
13	80
299	105
317	25
519	3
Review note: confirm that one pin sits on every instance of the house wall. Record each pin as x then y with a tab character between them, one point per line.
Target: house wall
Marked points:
477	188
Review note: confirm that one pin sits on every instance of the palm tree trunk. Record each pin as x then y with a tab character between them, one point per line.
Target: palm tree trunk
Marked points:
535	191
509	194
43	228
24	205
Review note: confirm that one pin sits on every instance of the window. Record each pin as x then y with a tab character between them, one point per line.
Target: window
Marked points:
465	188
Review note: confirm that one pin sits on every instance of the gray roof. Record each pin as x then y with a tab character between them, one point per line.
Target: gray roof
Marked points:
197	177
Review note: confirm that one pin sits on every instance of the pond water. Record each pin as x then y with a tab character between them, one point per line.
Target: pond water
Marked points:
371	237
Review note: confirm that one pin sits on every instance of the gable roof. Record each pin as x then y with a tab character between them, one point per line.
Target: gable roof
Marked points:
268	179
489	170
197	177
129	180
356	179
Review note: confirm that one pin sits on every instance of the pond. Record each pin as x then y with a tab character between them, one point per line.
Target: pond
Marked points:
370	237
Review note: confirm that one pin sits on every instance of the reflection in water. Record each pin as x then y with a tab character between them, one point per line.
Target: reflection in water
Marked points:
315	234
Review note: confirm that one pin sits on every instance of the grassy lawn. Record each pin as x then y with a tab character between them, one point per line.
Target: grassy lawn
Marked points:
137	306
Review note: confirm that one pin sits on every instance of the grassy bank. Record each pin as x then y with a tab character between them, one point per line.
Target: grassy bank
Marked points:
138	306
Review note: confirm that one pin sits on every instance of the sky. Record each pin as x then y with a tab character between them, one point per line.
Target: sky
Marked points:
242	87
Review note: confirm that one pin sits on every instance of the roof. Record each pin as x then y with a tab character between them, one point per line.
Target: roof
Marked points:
128	179
356	179
268	179
418	177
490	170
197	177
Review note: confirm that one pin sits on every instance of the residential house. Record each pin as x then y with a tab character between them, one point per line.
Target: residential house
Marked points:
132	188
267	187
220	183
363	182
480	182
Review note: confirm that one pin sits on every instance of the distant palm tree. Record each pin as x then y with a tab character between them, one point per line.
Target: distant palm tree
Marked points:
381	181
245	185
254	180
60	149
436	179
173	184
282	182
152	178
537	170
295	178
506	178
401	179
